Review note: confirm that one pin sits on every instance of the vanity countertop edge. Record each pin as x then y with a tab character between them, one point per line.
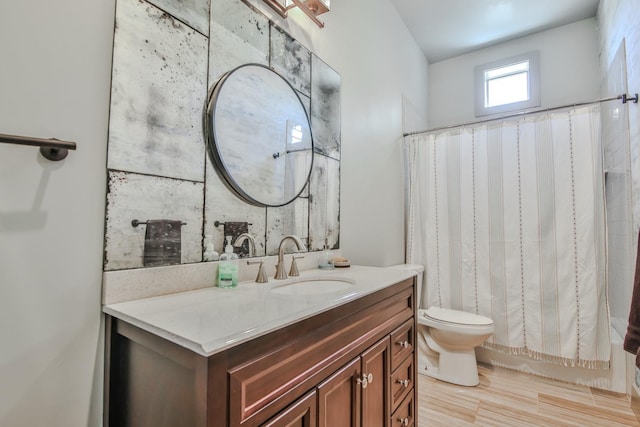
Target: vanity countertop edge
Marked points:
210	320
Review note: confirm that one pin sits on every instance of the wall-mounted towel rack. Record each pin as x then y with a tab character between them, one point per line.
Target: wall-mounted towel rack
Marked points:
218	223
51	149
135	222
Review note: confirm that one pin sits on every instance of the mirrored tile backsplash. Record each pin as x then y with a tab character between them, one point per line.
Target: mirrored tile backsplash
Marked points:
167	55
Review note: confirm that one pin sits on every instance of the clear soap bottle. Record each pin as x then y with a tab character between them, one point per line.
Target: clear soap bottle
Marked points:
228	267
326	262
210	253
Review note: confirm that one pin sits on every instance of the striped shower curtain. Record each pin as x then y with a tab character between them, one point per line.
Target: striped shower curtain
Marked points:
508	219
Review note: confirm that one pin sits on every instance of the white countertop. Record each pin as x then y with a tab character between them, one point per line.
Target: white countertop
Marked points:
210	320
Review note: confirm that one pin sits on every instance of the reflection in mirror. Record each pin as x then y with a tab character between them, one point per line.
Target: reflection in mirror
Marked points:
259	136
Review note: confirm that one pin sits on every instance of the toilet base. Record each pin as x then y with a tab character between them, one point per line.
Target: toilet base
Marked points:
454	367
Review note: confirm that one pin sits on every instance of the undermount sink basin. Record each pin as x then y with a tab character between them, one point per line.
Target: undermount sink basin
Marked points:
313	286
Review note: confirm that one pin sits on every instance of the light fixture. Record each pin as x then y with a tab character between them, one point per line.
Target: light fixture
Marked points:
312	8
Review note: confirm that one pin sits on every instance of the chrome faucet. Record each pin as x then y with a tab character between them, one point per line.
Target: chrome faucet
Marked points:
280	270
252	243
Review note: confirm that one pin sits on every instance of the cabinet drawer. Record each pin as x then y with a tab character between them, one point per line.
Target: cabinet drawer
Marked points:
405	414
401	382
401	343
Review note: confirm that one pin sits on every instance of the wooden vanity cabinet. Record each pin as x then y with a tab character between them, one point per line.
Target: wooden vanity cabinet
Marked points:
334	369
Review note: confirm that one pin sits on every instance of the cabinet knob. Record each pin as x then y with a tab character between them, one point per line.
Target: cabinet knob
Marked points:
365	380
404	383
403	421
403	344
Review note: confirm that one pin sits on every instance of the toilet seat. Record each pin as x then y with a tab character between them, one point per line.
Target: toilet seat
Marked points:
455	316
455	321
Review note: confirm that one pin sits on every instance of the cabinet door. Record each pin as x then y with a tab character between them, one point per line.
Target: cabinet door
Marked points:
375	367
339	398
302	413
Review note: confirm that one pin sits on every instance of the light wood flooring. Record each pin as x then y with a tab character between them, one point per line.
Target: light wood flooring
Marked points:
508	398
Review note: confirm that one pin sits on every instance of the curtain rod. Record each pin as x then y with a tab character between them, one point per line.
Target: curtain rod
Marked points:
624	97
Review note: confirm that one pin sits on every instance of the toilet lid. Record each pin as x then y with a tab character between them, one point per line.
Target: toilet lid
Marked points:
456	316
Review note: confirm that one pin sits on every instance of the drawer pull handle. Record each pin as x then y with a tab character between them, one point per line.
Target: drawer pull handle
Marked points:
403	421
404	383
369	378
403	344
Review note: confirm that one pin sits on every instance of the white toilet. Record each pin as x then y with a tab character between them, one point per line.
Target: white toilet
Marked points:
447	339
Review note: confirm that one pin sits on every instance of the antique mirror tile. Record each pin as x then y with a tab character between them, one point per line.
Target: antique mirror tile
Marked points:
306	102
158	90
325	108
284	220
222	205
324	209
291	59
238	36
194	13
142	197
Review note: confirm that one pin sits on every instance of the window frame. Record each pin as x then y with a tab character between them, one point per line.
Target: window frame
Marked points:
533	83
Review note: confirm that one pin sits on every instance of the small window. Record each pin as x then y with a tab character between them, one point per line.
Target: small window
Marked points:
296	134
508	85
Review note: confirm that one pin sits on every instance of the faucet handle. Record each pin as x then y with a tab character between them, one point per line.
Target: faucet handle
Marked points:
294	266
262	275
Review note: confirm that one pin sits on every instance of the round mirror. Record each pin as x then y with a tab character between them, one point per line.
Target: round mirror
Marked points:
259	136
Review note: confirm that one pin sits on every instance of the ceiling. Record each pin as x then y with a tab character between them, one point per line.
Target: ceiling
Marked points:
448	28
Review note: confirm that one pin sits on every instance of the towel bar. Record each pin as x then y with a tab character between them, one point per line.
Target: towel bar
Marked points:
218	223
51	149
135	223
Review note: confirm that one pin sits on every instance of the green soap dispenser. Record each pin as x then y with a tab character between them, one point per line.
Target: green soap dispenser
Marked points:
228	267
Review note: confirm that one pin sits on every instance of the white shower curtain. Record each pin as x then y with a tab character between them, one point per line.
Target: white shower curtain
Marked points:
508	219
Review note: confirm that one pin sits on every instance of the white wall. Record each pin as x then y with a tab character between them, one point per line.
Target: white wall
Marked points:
368	44
380	63
54	82
618	20
569	72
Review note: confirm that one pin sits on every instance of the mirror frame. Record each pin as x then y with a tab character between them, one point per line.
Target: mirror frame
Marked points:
214	144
